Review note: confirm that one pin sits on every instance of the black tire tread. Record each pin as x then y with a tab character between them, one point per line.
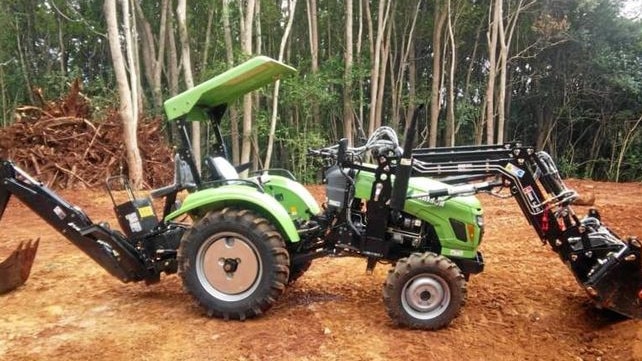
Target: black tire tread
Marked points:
269	236
414	264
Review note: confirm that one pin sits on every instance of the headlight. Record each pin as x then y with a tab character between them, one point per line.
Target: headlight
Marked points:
480	223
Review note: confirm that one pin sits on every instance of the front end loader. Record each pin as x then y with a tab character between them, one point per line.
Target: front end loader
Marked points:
249	238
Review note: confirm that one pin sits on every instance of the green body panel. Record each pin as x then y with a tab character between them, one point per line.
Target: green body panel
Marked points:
465	209
225	88
293	196
198	203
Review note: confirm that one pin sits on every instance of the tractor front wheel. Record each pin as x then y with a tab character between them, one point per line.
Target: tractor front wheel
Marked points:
234	263
424	291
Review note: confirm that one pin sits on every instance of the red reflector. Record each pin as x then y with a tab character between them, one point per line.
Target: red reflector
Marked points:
640	295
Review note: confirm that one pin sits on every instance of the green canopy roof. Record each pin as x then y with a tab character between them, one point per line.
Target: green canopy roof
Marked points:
226	87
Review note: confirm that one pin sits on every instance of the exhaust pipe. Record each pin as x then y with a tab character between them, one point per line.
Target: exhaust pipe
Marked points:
15	270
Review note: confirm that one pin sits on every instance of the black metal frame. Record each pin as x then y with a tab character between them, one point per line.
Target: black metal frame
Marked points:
141	258
108	248
126	259
607	267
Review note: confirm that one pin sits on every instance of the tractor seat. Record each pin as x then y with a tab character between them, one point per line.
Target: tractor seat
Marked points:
221	169
183	179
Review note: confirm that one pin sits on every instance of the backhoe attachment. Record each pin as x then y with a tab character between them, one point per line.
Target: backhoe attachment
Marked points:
15	270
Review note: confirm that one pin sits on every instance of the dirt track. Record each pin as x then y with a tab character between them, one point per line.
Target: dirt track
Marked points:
525	306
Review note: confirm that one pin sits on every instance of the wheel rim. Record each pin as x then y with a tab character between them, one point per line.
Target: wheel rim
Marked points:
228	266
425	296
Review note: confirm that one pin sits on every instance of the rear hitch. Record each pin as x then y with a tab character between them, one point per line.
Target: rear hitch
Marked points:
14	271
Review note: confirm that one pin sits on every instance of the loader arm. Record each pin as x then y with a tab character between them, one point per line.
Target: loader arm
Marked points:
607	267
531	177
108	248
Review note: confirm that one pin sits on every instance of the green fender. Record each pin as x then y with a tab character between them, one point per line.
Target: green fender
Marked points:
199	203
293	196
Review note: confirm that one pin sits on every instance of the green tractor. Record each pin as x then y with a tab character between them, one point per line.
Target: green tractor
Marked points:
251	237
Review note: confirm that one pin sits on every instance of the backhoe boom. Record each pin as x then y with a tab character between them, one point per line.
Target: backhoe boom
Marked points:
108	248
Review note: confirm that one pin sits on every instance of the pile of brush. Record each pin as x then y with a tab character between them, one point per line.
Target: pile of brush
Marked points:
61	144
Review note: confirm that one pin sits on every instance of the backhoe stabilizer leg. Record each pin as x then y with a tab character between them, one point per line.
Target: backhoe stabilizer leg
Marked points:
617	283
15	270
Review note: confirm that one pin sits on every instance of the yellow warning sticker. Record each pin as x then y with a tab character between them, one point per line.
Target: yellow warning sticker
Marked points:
146	211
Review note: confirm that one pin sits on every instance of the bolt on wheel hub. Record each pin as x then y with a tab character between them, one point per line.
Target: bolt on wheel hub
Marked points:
425	296
230	265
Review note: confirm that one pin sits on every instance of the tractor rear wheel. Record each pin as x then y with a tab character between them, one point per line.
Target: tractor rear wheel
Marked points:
234	263
424	291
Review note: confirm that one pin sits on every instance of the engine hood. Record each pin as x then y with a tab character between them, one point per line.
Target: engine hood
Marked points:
418	186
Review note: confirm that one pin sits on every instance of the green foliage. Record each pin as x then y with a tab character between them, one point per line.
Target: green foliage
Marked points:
575	71
309	89
586	87
567	166
630	170
295	146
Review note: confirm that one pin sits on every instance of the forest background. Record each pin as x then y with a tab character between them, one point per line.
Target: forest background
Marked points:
564	75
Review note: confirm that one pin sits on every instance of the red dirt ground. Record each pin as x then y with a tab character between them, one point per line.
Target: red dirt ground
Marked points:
524	306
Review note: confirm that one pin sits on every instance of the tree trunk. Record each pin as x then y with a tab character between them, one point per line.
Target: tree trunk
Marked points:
3	93
450	117
275	97
493	29
181	15
172	57
24	64
258	36
246	47
628	139
158	68
258	49
127	102
503	69
370	36
134	57
148	49
412	86
358	50
347	76
313	33
505	39
399	82
208	33
478	120
435	90
233	110
385	54
375	72
61	45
